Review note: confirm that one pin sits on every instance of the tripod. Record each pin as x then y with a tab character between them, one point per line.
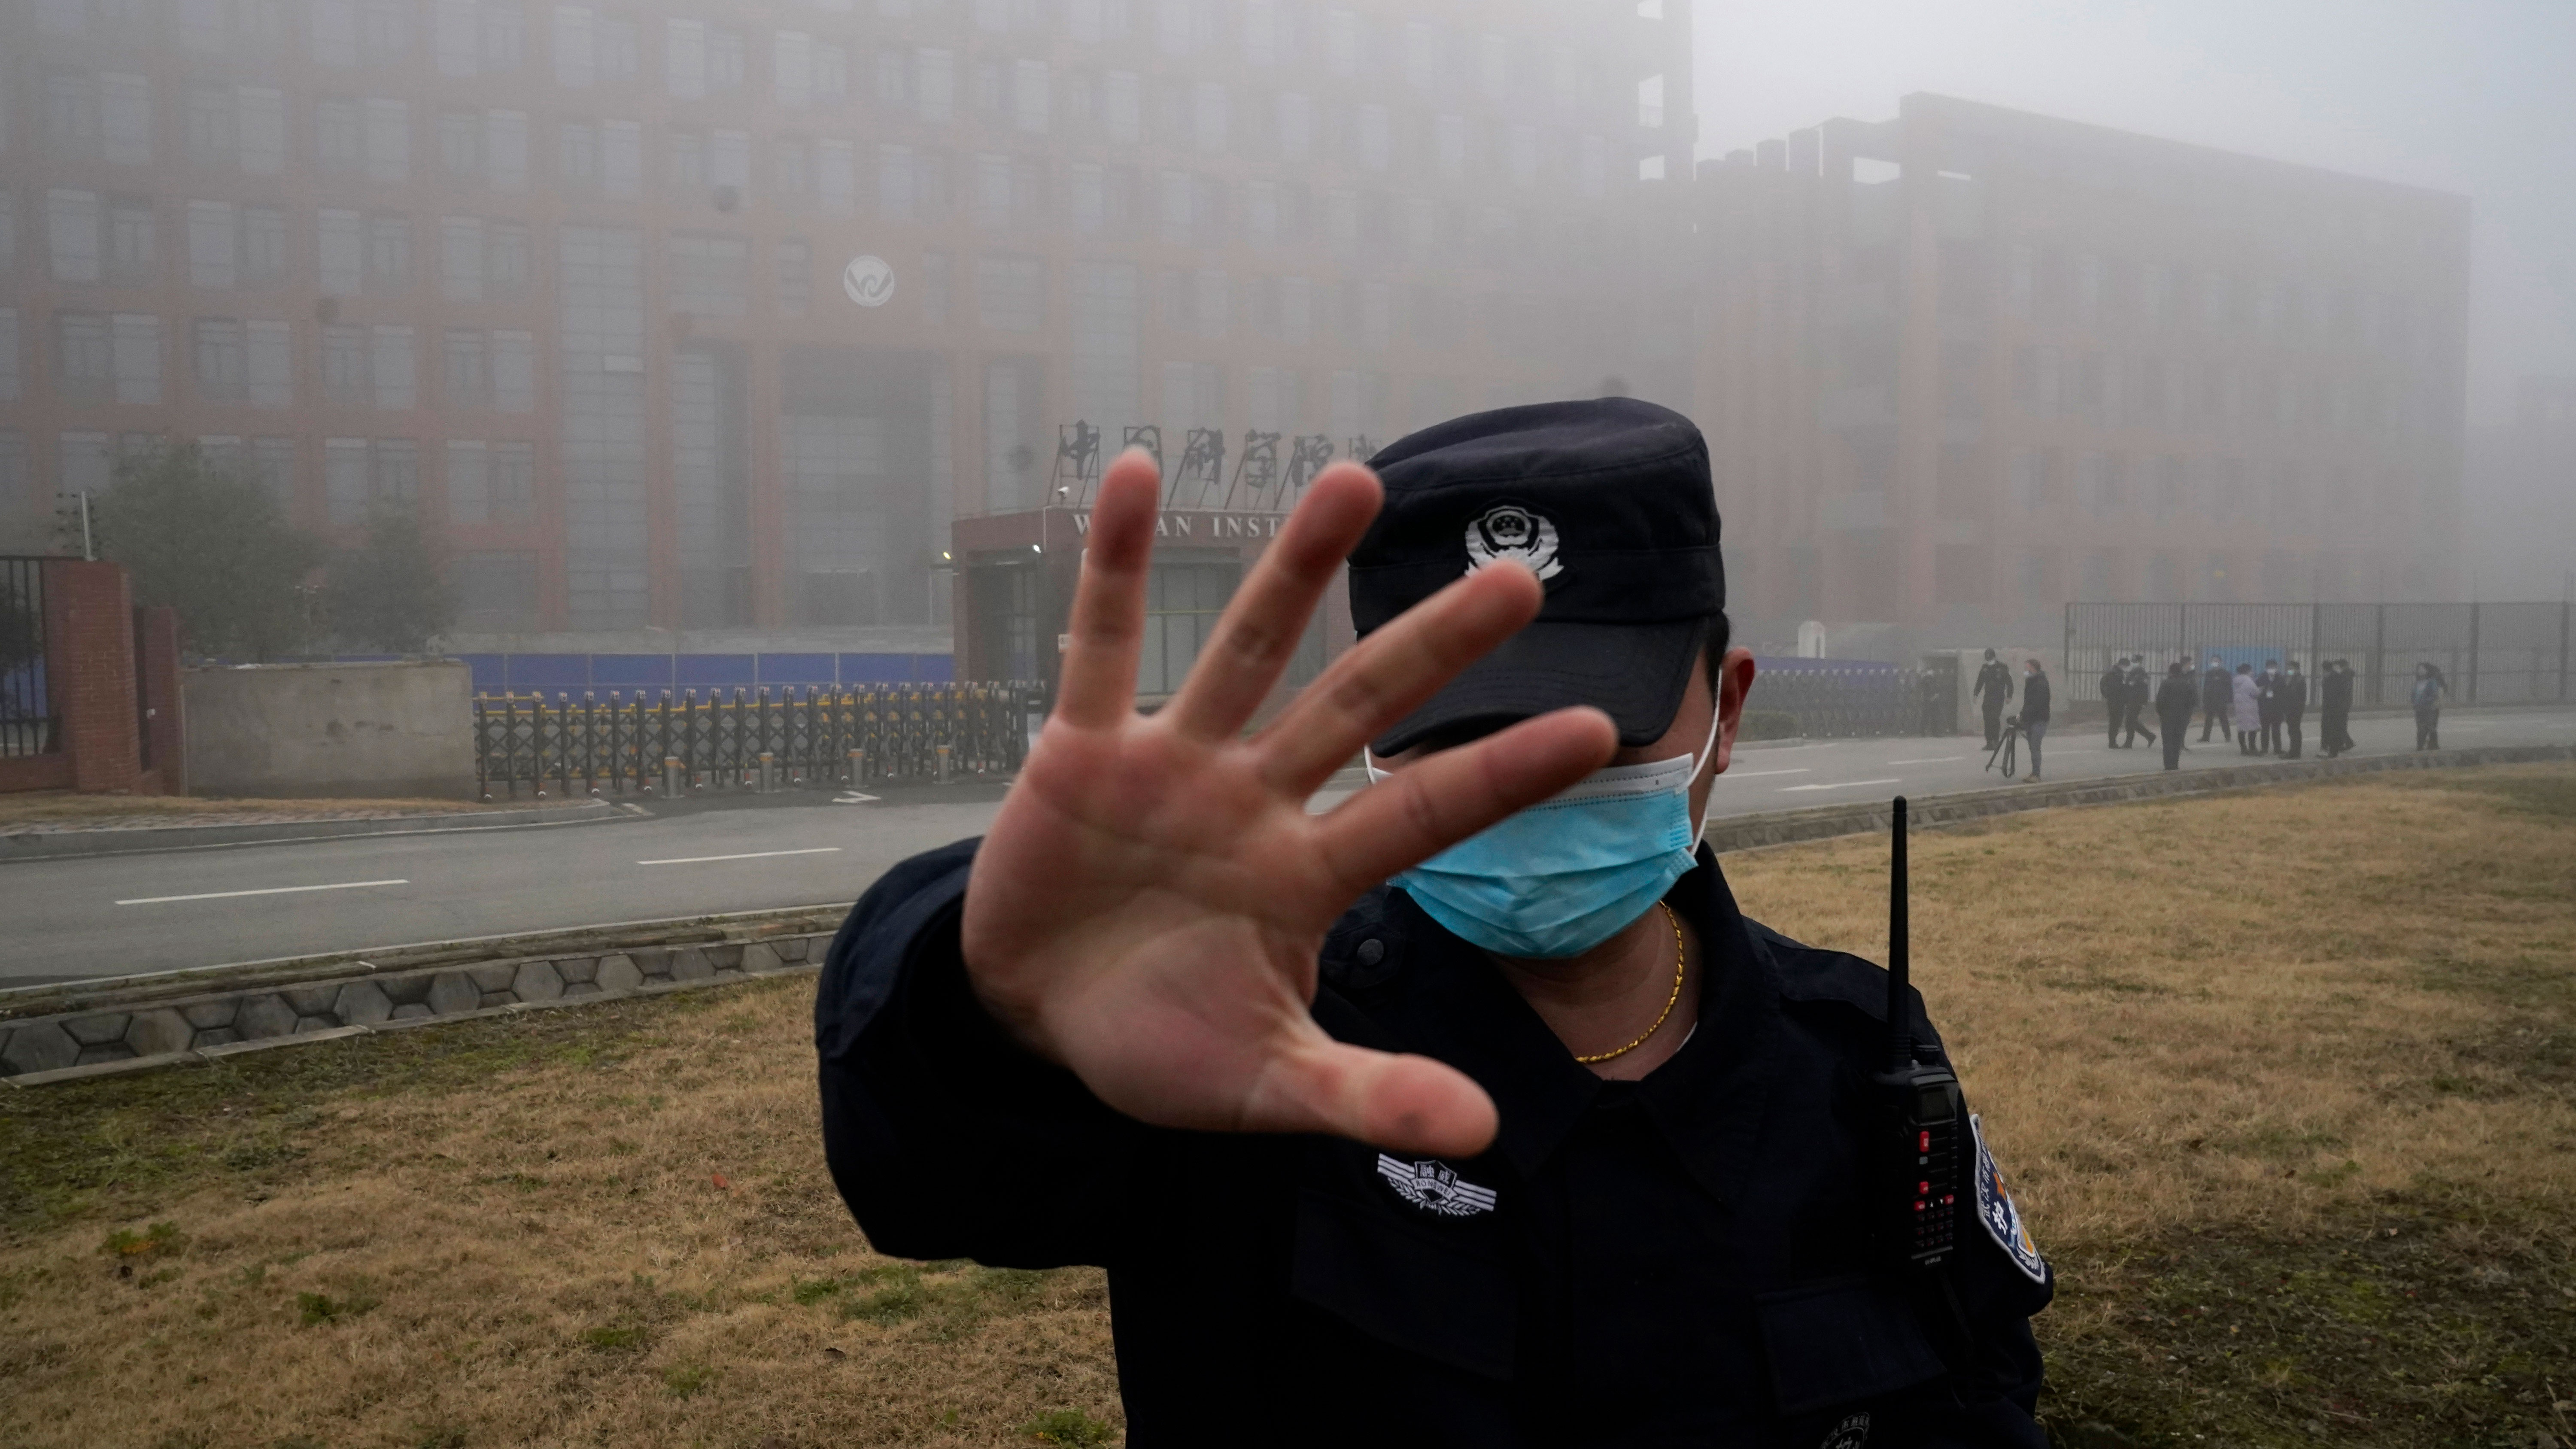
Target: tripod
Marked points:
2007	747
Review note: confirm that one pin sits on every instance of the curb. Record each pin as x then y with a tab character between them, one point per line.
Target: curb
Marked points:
141	1023
146	840
1824	822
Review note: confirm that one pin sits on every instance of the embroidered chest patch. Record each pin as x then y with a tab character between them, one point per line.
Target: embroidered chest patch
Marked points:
2002	1219
1434	1188
1851	1433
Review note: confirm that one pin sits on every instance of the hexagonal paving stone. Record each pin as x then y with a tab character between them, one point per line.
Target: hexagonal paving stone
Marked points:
361	1003
492	978
580	988
114	1051
654	962
40	1046
98	1030
412	1011
264	1016
492	999
305	1024
311	1000
406	990
205	1014
619	973
725	958
688	963
155	1033
760	956
537	981
579	969
217	1036
453	993
789	948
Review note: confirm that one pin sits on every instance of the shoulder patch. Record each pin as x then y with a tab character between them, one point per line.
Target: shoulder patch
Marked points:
1996	1210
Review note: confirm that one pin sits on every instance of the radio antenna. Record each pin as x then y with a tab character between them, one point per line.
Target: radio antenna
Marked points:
1900	1020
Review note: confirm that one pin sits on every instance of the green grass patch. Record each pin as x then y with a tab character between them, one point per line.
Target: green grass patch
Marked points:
1069	1427
315	1309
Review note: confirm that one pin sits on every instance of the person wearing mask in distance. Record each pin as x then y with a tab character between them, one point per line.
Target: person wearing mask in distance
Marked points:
1471	1111
2034	711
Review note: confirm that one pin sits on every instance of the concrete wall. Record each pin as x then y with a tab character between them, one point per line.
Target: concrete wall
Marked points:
365	730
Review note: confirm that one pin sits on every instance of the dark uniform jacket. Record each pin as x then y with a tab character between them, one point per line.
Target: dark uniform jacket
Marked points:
2217	690
2174	700
2336	693
2034	698
2294	696
2115	689
1684	1260
2267	697
1994	685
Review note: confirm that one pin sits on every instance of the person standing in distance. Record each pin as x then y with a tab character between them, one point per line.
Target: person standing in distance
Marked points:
2294	709
1993	693
2427	699
2335	699
2115	699
2034	711
2249	711
1471	1111
2267	706
2217	700
2174	699
2139	695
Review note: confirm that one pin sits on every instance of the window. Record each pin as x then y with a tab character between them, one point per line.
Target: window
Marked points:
621	160
339	137
615	48
345	481
688	163
504	38
835	181
129	242
509	265
465	378
514	371
573	50
456	37
496	592
262	120
222	361
577	157
384	30
272	463
1010	293
709	274
791	68
388	141
263	245
84	358
789	172
1341	43
795	278
469	483
505	150
460	144
684	58
831	75
214	250
935	85
514	481
1031	107
12	383
1296	126
1122	106
396	380
214	131
344	366
269	366
729	161
71	114
388	256
73	221
724	59
460	258
125	119
138	357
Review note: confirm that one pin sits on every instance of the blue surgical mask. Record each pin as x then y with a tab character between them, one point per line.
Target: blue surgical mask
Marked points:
1570	872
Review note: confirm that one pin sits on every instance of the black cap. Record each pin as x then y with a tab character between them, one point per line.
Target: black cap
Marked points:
1609	503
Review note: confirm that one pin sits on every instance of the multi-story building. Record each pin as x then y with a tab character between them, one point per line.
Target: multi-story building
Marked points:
685	316
2521	536
1963	366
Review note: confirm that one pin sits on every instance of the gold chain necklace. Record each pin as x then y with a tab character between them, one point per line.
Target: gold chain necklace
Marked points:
1680	964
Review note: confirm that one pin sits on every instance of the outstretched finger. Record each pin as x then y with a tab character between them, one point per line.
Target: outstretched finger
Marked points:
1262	627
1405	1103
1107	625
1443	798
1385	676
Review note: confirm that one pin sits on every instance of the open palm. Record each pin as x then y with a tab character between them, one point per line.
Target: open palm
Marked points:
1148	905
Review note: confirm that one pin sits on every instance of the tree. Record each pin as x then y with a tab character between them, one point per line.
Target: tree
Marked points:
391	592
210	543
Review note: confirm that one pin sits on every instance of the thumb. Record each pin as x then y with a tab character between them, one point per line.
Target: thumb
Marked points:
1409	1103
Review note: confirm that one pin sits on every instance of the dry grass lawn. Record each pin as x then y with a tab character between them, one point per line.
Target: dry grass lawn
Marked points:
2287	1082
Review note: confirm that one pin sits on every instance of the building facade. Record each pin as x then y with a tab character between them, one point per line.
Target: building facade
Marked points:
1967	365
686	317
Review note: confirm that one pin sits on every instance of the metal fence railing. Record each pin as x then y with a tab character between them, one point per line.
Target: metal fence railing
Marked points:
1842	701
26	706
2489	653
676	742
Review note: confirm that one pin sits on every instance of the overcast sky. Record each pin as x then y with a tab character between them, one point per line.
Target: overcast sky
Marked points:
2472	96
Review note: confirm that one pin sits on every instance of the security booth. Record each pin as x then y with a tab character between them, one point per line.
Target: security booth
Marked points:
1015	575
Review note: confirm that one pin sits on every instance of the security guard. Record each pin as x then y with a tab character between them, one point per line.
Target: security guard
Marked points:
1540	1142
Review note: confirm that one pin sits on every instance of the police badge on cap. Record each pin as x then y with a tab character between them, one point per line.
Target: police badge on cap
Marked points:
1608	501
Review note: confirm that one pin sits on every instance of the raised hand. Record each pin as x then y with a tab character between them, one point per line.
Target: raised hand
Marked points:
1147	907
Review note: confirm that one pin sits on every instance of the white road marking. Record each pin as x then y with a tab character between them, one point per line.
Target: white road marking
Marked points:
1845	785
854	798
748	855
346	885
1758	774
1935	760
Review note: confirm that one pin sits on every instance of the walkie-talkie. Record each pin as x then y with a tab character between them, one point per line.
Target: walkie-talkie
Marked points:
1920	1187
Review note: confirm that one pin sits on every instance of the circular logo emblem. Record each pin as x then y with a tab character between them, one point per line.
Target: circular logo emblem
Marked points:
869	281
1509	531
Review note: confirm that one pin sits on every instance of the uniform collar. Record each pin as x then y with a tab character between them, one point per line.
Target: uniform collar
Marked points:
1455	1005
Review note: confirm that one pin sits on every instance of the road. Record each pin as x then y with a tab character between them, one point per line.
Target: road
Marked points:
118	915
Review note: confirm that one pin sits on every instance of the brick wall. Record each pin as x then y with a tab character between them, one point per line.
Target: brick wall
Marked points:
89	671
